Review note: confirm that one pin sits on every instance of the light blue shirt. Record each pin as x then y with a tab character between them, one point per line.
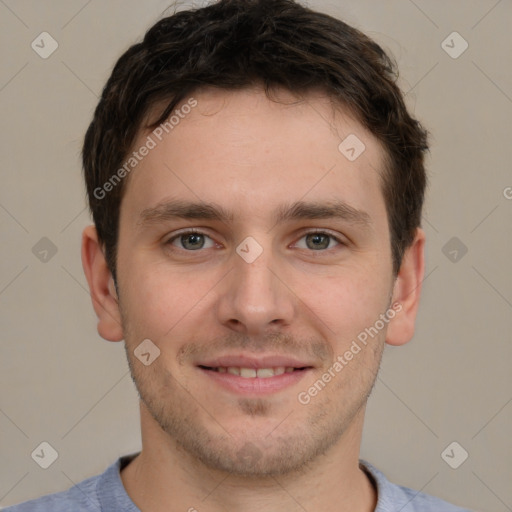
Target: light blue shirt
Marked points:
105	493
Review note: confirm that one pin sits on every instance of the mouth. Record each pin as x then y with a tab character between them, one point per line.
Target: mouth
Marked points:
248	376
254	373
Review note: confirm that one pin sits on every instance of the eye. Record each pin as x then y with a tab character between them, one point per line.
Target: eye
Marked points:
191	241
318	241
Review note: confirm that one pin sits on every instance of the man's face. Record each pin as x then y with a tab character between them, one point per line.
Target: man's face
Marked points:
315	272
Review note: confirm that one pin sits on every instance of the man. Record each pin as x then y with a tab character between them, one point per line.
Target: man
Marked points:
256	184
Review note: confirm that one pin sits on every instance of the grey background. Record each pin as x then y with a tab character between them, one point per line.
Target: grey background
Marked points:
61	383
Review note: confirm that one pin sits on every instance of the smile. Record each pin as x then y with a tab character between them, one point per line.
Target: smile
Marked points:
253	373
243	380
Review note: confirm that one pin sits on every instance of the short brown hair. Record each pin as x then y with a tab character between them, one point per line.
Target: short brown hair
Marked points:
233	44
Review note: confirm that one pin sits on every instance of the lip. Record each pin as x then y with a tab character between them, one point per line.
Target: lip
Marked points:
246	361
256	385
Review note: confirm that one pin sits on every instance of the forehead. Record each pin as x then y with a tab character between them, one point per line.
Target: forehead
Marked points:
254	153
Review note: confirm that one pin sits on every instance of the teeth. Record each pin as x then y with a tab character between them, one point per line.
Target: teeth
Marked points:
251	373
263	373
247	373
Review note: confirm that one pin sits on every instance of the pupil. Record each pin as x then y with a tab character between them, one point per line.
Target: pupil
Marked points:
193	241
318	241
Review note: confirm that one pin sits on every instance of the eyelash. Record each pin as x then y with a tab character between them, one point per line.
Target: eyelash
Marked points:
198	232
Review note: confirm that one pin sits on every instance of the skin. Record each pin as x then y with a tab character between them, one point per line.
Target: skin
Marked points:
251	156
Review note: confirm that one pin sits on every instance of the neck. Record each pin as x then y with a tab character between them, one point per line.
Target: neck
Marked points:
164	475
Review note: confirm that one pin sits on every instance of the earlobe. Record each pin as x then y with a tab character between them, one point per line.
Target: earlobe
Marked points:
101	285
407	290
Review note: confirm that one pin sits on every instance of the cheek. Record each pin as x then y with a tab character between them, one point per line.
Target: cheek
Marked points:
345	304
160	302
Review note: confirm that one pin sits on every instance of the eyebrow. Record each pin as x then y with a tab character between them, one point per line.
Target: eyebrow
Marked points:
170	210
299	210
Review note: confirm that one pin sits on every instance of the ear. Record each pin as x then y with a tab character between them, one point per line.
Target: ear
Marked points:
101	285
406	292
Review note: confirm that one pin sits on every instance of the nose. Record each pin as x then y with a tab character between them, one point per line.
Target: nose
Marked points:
255	298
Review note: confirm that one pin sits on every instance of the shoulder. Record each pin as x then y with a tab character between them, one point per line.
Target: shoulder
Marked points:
391	496
81	497
90	495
